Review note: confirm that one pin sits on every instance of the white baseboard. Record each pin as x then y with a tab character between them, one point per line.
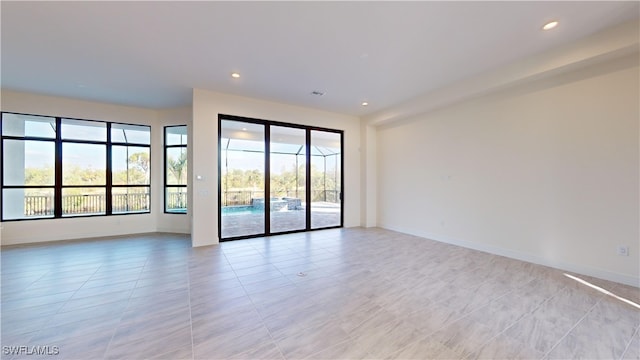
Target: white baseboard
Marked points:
518	255
173	230
28	240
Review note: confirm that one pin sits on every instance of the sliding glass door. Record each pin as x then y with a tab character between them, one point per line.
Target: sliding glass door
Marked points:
277	178
242	176
326	179
287	180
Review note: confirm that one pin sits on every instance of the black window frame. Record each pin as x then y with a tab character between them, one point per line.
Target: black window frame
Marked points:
58	176
166	173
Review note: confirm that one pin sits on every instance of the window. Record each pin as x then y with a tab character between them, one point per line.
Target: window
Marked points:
56	167
175	166
130	175
84	165
28	166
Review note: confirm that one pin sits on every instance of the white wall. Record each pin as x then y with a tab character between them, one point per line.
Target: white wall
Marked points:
19	232
368	216
204	150
546	173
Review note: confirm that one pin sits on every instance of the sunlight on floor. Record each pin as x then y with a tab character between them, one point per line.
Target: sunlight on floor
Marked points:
584	282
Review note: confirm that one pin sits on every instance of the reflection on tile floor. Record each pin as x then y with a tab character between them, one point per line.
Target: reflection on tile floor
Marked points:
334	294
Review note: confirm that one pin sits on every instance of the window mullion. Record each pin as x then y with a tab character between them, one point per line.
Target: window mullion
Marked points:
57	192
307	195
267	179
109	178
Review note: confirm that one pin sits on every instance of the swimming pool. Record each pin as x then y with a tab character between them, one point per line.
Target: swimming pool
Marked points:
241	210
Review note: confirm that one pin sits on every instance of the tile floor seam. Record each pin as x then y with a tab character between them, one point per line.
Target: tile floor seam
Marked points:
501	332
190	311
460	316
573	327
38	279
635	334
521	318
482	344
65	302
255	307
323	350
115	329
425	338
355	340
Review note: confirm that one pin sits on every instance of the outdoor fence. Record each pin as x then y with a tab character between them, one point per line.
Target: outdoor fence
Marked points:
40	205
130	202
236	198
176	200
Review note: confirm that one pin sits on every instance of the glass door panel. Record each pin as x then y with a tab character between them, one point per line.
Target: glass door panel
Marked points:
242	174
326	179
287	179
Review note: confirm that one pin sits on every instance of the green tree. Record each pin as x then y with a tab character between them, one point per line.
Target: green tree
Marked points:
137	172
178	168
139	168
77	175
39	176
140	160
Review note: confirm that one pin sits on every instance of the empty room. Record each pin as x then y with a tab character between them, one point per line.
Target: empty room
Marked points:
320	180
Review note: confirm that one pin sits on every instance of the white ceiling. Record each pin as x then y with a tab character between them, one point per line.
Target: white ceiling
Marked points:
151	54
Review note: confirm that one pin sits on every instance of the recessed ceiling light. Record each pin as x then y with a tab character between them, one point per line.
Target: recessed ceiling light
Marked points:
235	75
550	25
364	103
244	129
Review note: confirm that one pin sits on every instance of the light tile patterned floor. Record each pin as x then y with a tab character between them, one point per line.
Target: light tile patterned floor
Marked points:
365	293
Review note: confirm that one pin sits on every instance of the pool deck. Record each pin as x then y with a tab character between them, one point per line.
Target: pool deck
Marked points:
242	224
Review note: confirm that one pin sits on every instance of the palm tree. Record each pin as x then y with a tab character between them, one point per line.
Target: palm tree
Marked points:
177	167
